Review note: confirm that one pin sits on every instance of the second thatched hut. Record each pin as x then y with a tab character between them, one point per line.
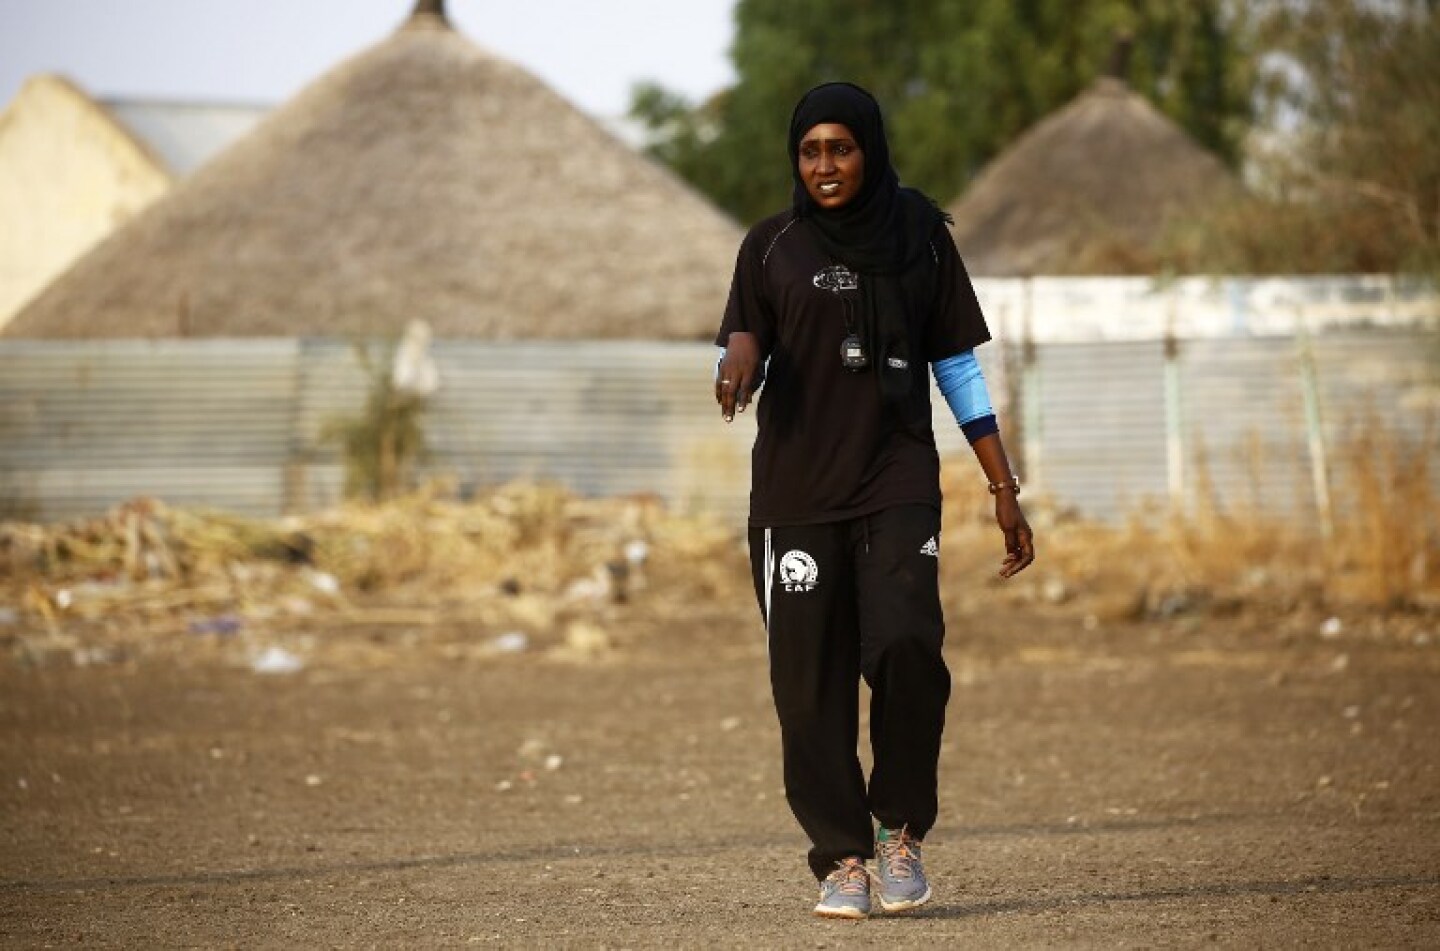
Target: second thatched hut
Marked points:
1095	188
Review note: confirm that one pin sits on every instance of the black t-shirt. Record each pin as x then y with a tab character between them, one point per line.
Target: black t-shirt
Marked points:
827	449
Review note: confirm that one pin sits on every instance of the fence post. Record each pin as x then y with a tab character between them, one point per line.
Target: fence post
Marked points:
1032	417
1006	383
1174	415
1174	425
295	485
1314	430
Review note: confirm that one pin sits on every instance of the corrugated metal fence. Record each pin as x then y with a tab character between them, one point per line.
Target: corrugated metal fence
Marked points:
1236	424
236	424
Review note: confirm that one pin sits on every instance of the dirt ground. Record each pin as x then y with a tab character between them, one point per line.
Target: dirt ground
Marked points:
1240	782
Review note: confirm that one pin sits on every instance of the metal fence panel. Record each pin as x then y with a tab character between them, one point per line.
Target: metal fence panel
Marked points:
1244	427
1101	439
238	424
196	422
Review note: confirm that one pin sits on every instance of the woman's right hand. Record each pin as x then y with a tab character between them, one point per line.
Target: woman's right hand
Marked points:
738	375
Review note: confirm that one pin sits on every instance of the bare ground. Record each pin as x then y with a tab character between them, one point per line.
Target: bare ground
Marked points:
1178	783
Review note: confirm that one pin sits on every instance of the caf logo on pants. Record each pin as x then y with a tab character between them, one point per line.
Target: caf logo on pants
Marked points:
798	571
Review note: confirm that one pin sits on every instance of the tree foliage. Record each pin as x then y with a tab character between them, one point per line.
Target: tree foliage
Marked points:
959	80
1352	183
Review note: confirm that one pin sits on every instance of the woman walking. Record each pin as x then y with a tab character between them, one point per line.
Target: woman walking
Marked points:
837	304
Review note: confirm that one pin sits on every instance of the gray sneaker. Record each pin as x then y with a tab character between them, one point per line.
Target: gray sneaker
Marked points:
845	893
902	874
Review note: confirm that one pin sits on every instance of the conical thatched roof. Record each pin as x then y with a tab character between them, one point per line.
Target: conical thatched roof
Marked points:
423	178
1090	189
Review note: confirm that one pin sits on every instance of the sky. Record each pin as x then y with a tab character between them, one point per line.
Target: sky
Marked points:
264	51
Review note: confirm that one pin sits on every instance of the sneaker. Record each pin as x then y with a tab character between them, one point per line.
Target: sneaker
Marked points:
845	893
902	875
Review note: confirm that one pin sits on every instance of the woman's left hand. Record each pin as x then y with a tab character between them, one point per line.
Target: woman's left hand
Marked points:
1019	539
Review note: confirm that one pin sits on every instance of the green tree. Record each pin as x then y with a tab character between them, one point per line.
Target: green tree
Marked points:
1349	176
959	79
1370	93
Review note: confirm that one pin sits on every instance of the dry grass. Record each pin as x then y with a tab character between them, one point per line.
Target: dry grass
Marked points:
1388	530
1161	561
539	559
528	556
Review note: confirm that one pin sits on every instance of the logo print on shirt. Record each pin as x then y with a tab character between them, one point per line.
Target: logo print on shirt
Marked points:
931	548
836	278
798	571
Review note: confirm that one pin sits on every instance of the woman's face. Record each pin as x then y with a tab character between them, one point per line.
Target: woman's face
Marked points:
831	165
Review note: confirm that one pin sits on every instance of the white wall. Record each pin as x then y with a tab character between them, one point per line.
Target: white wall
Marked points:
68	176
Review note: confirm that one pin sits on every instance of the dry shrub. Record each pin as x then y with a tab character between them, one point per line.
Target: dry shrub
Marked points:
1387	524
382	444
1161	561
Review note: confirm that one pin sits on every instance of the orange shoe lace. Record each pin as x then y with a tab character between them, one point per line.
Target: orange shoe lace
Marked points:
897	853
853	876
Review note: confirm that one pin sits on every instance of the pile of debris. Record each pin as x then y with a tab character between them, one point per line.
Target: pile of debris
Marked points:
518	563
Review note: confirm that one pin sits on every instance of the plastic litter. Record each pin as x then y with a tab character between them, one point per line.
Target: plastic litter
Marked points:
636	552
414	371
595	587
222	626
97	656
277	660
511	642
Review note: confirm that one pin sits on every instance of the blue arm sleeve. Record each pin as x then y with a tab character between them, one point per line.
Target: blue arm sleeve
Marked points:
963	385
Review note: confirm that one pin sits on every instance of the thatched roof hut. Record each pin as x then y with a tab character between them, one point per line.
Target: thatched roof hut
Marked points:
423	178
1091	189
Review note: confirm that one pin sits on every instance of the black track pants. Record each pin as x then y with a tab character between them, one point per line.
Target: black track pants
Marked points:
842	600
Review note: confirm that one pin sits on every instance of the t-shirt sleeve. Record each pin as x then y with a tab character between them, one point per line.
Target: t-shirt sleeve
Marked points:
748	310
956	323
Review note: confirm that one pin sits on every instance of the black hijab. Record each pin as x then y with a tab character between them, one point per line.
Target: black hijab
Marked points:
883	233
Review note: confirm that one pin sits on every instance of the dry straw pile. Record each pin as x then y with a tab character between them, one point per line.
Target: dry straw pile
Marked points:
525	557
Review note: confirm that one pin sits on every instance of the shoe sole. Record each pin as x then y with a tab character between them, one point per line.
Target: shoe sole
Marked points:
850	914
905	904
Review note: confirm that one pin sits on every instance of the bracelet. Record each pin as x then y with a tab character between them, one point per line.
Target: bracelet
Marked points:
1012	483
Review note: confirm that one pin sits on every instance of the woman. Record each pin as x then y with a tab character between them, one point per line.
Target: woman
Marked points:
835	303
